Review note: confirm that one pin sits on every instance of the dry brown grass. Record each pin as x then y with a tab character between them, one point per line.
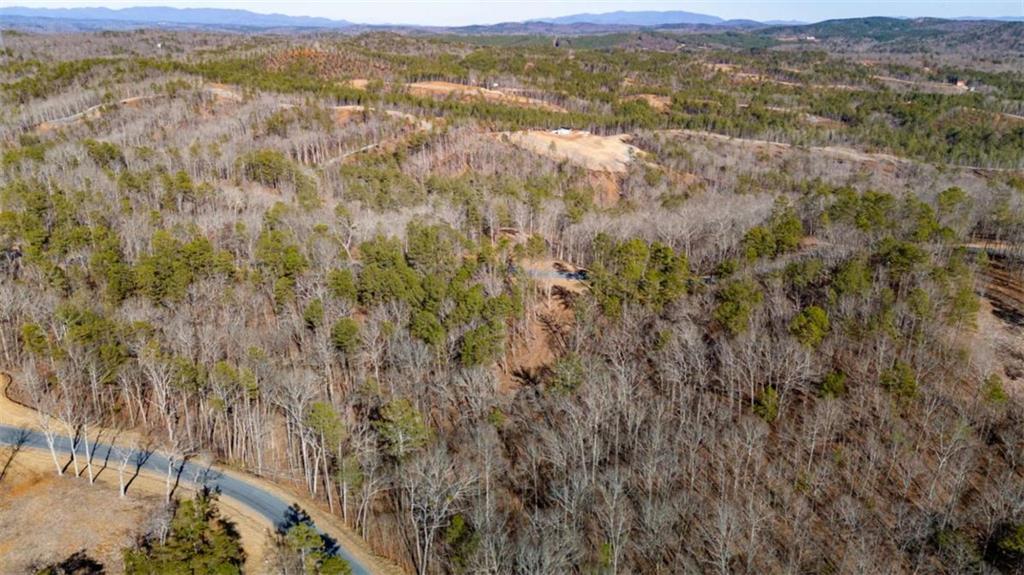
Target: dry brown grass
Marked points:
45	518
12	412
35	502
345	114
223	92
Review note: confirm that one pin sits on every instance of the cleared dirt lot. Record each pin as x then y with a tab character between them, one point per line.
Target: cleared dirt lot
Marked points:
599	153
469	92
38	526
549	321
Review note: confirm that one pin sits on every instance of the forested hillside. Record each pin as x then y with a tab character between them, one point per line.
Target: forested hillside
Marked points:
509	305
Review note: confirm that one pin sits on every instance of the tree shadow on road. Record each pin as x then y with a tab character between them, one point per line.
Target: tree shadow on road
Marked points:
181	464
108	448
205	475
296	515
72	452
141	456
16	446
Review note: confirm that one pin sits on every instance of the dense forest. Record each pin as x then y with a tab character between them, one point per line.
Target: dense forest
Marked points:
775	333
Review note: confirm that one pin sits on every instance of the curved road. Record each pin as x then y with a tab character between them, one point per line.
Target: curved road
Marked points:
270	506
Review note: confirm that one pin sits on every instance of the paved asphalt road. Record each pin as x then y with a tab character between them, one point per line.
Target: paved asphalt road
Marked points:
273	508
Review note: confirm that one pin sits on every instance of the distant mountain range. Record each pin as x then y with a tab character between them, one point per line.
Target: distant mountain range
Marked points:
165	16
61	19
646	19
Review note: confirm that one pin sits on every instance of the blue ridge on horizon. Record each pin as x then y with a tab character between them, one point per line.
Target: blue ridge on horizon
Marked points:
236	17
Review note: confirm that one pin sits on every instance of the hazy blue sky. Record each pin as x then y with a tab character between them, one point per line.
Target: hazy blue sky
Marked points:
458	12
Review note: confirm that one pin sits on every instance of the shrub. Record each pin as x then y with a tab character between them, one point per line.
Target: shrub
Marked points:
199	541
104	154
900	380
852	278
993	390
900	257
810	326
767	405
634	271
463	541
1007	547
834	384
313	315
166	272
567	373
284	291
276	254
342	284
481	345
959	551
425	326
268	167
402	428
963	306
736	301
781	234
805	273
432	248
345	335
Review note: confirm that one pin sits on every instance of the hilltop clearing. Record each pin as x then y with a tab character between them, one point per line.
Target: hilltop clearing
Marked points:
611	154
470	92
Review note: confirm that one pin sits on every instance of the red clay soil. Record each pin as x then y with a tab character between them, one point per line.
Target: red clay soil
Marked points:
548	322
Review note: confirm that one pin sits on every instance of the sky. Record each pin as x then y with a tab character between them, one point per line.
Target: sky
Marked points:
462	12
